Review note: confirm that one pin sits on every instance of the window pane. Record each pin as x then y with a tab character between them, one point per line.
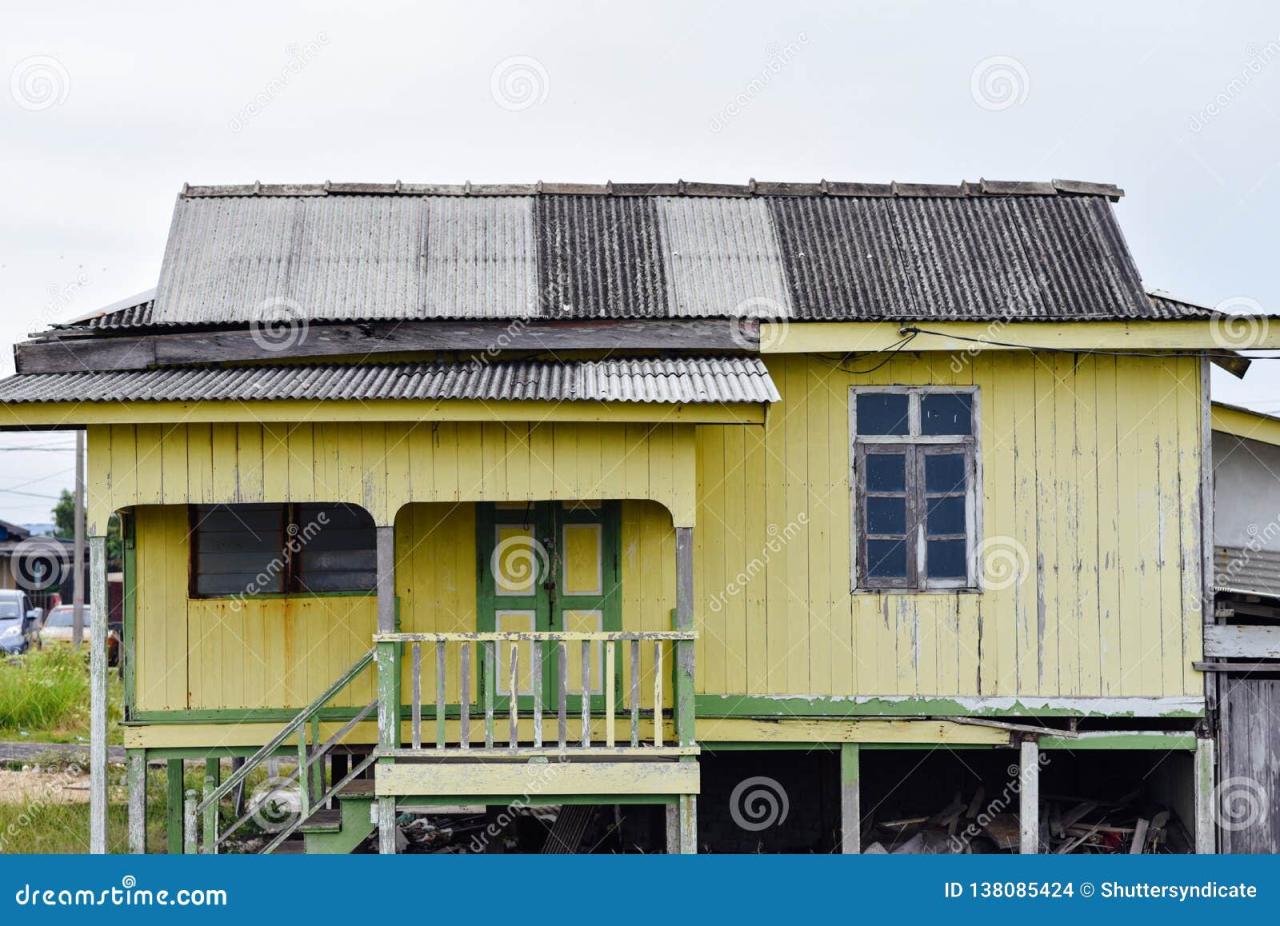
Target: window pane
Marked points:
887	559
945	559
886	472
886	515
946	515
944	472
335	549
882	413
946	413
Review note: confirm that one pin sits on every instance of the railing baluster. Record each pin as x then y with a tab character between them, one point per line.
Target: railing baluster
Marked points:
635	692
417	696
464	697
441	714
586	693
304	797
563	709
514	701
657	693
490	683
608	693
536	646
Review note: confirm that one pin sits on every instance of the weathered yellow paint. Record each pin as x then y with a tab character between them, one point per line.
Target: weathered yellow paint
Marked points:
473	779
1245	423
799	730
383	467
1090	469
961	337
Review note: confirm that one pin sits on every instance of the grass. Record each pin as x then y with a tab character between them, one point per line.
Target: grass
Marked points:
38	827
44	697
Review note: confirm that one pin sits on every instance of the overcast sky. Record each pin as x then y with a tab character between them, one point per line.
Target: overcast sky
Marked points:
110	108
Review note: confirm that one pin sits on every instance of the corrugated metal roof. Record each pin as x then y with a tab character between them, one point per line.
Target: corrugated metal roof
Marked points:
982	250
1246	572
683	381
1169	307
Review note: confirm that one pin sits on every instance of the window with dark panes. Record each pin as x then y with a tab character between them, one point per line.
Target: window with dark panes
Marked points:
915	477
247	550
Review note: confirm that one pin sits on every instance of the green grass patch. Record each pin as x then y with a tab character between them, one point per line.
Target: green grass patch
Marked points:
44	697
40	826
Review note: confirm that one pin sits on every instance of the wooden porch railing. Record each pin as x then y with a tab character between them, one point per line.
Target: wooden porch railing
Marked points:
542	692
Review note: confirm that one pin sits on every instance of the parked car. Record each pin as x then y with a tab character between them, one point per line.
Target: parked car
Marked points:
19	622
58	627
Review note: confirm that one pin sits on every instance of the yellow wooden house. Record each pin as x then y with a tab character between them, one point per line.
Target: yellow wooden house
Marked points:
704	503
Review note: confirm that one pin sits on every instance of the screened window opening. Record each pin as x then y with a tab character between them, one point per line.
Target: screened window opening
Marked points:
915	476
247	550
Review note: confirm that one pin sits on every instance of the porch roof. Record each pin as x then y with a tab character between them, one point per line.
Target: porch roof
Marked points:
717	380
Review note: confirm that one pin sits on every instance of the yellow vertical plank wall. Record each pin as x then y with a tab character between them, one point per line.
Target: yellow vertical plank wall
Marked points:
1090	470
1090	475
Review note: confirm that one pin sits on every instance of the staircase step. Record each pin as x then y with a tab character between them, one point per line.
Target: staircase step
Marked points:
323	821
290	847
359	788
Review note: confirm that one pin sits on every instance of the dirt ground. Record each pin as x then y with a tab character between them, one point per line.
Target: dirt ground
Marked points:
51	786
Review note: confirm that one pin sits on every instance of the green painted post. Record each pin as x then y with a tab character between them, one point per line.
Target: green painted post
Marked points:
190	836
173	807
682	620
212	778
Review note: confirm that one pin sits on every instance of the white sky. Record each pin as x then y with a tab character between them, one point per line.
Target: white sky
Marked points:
147	96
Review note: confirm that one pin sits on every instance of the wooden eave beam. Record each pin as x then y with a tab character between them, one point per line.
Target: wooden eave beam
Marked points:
72	353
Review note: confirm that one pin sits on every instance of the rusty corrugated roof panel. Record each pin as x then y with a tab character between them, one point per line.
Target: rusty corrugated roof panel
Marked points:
1246	572
828	250
676	381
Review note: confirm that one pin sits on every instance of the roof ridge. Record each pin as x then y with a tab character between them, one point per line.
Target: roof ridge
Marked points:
831	188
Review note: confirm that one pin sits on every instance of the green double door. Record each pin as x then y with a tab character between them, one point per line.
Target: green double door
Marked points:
549	566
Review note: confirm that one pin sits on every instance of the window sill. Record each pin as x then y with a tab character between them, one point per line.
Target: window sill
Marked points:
278	596
952	590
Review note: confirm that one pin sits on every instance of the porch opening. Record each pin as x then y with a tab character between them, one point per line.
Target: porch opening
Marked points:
770	801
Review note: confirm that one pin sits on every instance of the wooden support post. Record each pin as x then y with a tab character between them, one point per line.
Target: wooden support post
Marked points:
213	778
137	781
1206	828
688	824
173	807
1029	796
683	621
98	696
388	663
190	838
850	800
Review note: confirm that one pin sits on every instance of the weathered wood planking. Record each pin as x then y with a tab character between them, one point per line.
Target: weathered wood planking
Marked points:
468	779
123	352
1249	768
1247	641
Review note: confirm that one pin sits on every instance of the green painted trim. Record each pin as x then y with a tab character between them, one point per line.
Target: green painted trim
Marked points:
747	746
173	805
271	596
129	605
850	768
730	706
529	800
1146	739
200	753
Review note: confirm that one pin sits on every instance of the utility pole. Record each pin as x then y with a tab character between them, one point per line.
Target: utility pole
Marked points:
77	562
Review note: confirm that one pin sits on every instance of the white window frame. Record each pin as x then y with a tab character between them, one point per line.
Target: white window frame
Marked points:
973	494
